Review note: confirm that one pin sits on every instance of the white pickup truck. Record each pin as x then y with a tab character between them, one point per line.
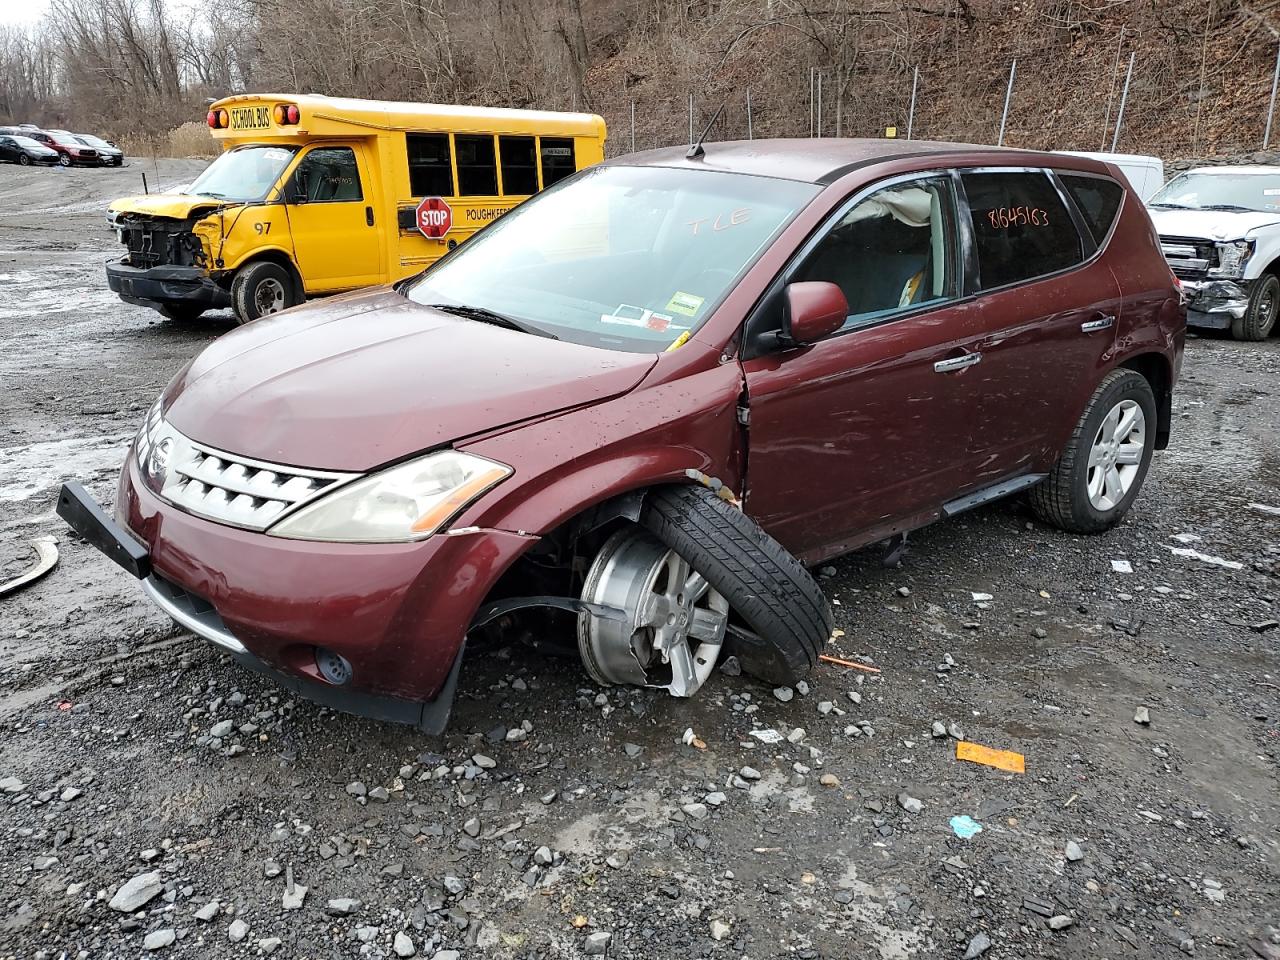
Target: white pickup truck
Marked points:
1220	231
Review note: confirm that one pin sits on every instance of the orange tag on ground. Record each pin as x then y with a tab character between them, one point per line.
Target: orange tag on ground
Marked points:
1000	759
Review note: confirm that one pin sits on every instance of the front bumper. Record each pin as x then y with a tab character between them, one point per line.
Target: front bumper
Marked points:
398	613
158	286
1215	303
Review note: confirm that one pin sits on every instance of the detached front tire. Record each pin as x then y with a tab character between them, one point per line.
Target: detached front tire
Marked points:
261	289
1260	316
765	585
1100	472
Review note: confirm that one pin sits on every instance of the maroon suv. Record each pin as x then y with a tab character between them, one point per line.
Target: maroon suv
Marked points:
70	150
626	412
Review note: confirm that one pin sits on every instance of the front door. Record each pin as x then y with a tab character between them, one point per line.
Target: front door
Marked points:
334	219
866	432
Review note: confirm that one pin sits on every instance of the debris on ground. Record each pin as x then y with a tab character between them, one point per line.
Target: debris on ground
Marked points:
965	827
1001	759
46	559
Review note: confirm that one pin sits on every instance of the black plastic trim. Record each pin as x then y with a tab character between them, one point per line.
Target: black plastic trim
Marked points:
83	514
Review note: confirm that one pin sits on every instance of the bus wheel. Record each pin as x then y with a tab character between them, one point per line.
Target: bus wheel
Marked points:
261	289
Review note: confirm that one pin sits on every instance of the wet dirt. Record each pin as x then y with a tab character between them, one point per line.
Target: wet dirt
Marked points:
1178	820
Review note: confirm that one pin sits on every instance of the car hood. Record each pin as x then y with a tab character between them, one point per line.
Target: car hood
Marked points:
179	206
1210	224
360	380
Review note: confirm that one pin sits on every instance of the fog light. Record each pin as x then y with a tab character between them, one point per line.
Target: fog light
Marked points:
332	666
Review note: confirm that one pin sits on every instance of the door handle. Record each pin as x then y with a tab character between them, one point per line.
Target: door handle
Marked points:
953	364
1102	323
368	215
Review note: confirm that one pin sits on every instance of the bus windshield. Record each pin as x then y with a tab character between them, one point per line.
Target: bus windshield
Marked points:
628	258
244	174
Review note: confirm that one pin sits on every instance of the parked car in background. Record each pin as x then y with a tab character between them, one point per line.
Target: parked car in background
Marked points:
1220	230
70	150
15	148
1145	174
112	156
560	418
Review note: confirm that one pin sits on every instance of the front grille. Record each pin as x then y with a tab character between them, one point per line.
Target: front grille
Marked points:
221	486
1190	258
157	241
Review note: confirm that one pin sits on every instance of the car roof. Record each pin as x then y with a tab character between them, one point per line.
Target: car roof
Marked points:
1248	168
825	159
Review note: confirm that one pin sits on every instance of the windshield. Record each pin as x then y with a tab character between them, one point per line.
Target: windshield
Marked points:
91	141
244	174
1220	191
631	258
28	142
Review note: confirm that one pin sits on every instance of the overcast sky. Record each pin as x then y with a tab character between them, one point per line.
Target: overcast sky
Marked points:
22	11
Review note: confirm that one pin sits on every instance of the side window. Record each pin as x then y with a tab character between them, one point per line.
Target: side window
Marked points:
1021	228
430	172
328	175
477	166
1098	199
557	159
891	252
519	166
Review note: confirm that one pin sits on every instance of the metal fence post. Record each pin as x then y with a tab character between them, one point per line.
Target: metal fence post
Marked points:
1124	96
1271	109
819	133
750	131
1008	93
812	101
911	113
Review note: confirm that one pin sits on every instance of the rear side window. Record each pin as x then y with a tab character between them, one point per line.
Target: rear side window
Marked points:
1021	228
477	166
1098	200
519	166
557	159
430	173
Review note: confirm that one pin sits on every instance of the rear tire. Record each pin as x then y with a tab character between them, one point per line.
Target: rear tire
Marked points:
261	289
1064	499
1260	316
766	586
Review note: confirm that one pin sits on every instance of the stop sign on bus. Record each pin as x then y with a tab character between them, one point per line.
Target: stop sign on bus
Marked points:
435	217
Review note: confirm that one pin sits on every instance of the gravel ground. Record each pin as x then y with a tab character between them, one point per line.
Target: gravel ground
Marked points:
156	797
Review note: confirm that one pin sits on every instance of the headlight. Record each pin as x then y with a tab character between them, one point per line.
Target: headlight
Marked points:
1233	256
407	502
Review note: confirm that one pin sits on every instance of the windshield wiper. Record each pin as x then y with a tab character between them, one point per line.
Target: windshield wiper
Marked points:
1228	206
1171	206
484	315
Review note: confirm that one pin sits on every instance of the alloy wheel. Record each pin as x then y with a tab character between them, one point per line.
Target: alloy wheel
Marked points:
1115	458
674	622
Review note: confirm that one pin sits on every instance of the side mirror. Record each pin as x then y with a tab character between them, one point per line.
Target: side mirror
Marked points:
815	309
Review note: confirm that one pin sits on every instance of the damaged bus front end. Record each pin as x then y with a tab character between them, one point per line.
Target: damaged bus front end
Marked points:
171	243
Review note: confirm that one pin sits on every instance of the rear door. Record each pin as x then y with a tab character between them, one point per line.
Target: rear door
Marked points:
1051	307
866	432
334	219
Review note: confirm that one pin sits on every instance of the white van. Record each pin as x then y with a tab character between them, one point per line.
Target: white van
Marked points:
1145	174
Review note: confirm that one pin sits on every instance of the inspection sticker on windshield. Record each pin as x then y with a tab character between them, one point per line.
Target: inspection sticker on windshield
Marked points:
685	303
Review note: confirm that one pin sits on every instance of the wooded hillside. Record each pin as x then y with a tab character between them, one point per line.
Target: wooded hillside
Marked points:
1201	81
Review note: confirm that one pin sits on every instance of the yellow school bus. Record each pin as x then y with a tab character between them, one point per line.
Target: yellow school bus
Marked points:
315	195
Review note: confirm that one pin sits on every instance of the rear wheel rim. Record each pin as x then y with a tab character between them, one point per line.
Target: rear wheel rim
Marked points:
674	622
268	296
1115	457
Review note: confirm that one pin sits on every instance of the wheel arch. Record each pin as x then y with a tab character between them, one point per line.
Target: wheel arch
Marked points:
1157	371
276	255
